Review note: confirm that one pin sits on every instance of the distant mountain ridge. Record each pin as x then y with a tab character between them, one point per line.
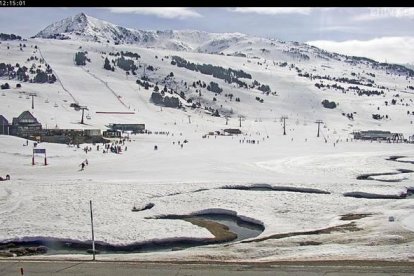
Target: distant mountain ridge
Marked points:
87	28
82	26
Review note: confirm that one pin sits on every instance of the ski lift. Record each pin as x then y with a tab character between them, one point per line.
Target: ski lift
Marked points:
46	101
56	105
88	116
27	97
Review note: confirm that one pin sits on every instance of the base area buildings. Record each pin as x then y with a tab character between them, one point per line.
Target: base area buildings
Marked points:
27	126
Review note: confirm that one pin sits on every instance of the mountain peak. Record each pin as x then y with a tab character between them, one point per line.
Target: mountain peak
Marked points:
77	23
81	26
82	17
84	27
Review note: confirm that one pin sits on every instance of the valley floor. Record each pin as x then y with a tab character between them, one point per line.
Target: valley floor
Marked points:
53	201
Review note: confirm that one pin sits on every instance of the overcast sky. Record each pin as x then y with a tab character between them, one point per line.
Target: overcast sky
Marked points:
379	33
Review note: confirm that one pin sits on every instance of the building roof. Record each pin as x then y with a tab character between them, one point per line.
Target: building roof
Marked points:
126	124
232	130
3	120
26	117
375	132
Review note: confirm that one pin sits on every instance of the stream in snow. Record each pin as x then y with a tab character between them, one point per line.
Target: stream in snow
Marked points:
243	229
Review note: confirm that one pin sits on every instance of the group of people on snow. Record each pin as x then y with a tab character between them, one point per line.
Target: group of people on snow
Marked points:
116	147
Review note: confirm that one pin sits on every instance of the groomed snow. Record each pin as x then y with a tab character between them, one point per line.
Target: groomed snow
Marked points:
53	200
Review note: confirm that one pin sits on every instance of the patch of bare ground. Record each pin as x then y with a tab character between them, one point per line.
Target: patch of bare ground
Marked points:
368	176
306	243
395	158
220	231
349	227
12	250
355	216
146	207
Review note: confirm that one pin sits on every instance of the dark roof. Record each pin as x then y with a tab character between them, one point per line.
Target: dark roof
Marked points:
375	132
232	130
26	115
3	120
128	124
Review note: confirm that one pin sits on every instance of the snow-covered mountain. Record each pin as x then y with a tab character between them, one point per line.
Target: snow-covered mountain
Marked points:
262	74
84	27
89	28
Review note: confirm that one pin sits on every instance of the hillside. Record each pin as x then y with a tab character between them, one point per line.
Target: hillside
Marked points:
291	81
282	78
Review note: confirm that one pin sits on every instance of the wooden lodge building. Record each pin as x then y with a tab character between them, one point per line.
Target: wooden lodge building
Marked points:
25	125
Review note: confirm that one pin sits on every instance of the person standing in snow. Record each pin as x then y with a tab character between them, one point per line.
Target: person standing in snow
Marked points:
82	166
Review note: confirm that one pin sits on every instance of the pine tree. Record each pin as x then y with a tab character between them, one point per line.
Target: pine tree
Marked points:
107	65
80	58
